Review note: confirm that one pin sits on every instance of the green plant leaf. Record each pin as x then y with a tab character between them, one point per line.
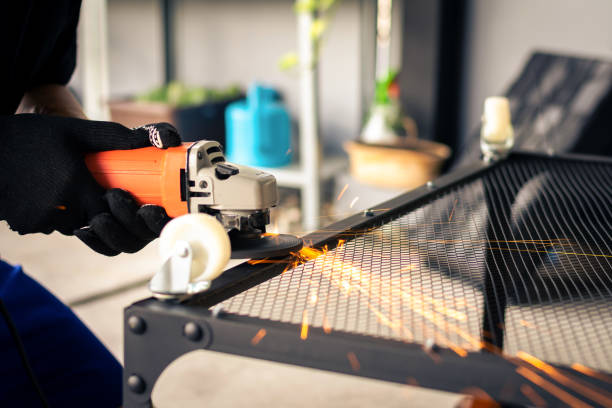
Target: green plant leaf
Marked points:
317	28
288	61
306	6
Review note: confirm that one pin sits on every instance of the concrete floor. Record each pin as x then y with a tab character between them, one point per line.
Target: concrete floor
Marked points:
77	275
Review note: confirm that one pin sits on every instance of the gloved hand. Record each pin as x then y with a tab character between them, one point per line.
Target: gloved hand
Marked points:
45	185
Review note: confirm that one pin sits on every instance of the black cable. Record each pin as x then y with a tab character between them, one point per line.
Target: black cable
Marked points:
22	353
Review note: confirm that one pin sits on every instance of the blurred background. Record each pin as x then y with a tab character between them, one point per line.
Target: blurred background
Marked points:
364	100
445	56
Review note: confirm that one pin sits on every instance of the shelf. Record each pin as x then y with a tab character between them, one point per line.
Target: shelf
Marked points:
294	176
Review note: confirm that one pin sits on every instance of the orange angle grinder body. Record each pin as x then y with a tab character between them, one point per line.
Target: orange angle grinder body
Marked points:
150	174
195	178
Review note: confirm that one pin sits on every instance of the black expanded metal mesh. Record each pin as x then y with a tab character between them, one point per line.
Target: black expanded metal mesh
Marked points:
519	259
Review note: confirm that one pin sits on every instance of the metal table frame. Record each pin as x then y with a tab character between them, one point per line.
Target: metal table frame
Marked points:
157	332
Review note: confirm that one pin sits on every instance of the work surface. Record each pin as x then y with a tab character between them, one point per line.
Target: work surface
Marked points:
498	280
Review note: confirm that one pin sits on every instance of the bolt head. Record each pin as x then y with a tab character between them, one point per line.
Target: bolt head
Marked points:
217	311
430	345
203	184
200	155
136	384
192	331
137	324
368	213
430	184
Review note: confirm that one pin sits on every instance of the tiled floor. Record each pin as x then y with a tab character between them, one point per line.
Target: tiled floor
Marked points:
73	273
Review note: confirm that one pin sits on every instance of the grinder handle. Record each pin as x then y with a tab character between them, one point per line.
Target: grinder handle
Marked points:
151	175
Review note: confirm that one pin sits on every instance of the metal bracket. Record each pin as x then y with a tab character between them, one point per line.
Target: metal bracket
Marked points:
173	279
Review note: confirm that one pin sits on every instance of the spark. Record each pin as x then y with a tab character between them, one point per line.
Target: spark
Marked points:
533	396
553	252
340	243
591	373
270	234
589	391
349	278
551	388
61	207
480	397
353	361
450	217
527	324
258	336
353	202
304	331
342	192
266	261
459	350
544	242
326	327
417	302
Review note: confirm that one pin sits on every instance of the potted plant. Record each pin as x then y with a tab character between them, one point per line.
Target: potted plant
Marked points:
196	111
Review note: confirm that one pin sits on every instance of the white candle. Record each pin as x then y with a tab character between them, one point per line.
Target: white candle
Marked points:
496	123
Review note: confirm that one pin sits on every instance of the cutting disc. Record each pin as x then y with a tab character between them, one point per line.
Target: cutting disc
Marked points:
267	246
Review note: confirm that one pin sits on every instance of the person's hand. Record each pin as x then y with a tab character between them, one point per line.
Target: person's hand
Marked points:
45	185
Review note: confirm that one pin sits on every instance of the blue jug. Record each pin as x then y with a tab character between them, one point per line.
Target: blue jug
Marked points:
258	129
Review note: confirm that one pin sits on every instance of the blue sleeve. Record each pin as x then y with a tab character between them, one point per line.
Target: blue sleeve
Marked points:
71	365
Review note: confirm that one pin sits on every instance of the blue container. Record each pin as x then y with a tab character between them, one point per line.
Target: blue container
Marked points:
258	130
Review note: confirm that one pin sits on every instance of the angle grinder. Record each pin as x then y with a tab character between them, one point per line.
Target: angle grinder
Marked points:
220	209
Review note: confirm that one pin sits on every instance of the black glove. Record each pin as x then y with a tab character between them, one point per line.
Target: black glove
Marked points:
45	185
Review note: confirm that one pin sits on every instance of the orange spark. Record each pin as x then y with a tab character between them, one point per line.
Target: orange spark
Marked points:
352	358
527	324
304	331
265	261
450	217
600	396
258	336
552	252
326	327
480	398
459	350
342	192
591	373
270	234
61	207
309	253
551	388
533	396
347	277
341	243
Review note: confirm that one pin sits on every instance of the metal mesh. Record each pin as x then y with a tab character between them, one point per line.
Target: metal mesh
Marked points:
519	257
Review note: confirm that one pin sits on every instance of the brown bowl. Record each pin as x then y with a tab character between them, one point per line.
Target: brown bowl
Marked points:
407	165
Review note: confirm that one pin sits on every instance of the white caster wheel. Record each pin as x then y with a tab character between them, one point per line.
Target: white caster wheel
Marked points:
196	249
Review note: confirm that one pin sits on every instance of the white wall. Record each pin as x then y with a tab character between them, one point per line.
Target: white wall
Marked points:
135	46
501	34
